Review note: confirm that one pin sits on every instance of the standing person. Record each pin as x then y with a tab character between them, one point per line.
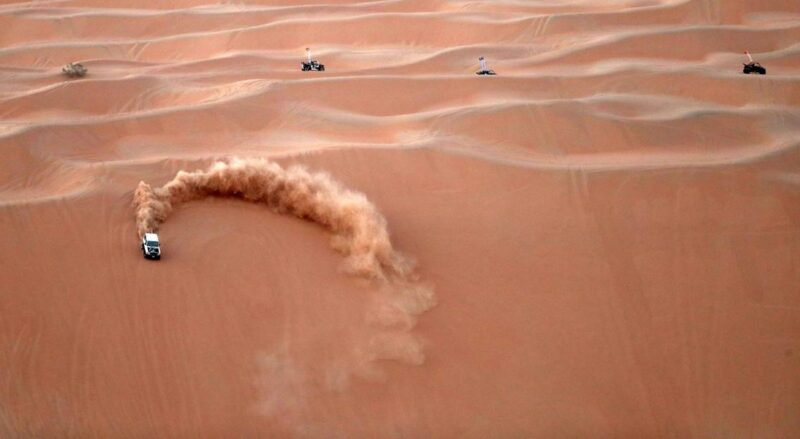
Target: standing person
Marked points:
308	54
484	71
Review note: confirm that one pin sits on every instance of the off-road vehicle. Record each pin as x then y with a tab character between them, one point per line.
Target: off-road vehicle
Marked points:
311	65
151	248
753	67
74	70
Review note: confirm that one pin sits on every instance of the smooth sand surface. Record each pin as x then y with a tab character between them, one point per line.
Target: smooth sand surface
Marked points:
611	225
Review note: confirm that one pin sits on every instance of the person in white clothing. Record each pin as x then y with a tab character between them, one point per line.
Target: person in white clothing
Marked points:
484	68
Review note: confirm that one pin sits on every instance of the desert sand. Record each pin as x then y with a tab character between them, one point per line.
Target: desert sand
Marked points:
604	238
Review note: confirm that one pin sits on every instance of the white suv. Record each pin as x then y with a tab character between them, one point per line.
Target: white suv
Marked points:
151	248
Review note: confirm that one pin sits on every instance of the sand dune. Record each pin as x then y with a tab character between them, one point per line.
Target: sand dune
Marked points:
610	224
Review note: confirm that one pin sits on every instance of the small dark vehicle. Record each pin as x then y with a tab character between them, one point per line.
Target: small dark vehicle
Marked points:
313	66
151	247
753	67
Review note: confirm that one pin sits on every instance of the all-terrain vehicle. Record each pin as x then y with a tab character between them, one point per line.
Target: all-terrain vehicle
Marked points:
753	67
312	65
74	70
151	248
484	69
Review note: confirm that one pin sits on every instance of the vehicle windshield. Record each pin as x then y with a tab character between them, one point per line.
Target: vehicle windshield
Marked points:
152	243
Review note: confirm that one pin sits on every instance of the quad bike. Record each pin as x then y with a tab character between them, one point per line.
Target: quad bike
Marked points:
313	66
74	70
753	67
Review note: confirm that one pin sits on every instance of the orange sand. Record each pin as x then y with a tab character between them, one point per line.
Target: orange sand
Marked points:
611	225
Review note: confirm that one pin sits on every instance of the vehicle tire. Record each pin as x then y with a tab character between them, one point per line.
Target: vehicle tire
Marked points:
321	68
